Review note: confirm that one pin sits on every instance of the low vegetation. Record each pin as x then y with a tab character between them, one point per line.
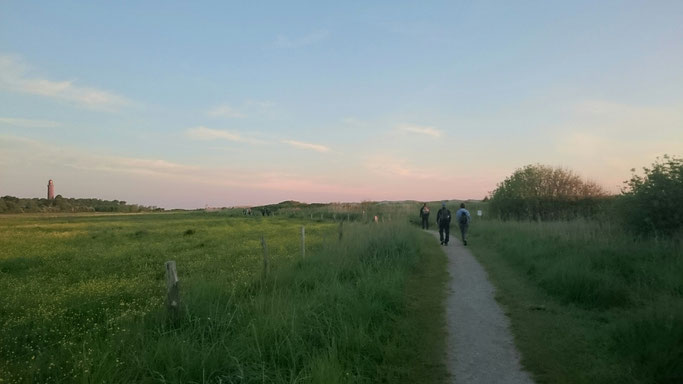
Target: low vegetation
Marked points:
592	282
650	205
588	301
81	300
11	204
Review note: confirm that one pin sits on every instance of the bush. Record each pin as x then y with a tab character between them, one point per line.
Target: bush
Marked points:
653	203
540	192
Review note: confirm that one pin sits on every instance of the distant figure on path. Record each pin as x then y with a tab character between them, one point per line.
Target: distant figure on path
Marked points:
443	219
424	215
463	217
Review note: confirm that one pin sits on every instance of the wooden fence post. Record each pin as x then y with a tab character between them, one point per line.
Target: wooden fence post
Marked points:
172	290
264	246
303	242
341	230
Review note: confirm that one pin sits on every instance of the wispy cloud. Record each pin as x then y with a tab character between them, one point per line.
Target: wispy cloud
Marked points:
283	41
28	123
226	111
208	134
309	146
22	149
23	155
353	122
420	129
204	133
15	77
249	108
390	166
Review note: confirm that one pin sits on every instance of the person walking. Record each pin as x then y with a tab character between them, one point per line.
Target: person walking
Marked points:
443	219
424	215
462	216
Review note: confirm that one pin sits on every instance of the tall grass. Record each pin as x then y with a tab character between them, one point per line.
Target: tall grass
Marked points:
345	314
623	295
327	319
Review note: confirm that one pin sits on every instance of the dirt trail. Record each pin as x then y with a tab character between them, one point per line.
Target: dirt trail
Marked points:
480	346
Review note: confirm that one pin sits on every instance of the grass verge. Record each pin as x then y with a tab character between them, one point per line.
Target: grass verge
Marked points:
587	303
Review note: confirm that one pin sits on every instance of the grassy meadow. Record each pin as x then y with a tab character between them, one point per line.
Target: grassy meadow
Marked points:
589	303
82	300
82	297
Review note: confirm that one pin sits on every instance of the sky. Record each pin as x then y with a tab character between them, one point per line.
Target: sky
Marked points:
189	104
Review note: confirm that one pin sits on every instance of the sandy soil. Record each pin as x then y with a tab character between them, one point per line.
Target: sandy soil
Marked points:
480	346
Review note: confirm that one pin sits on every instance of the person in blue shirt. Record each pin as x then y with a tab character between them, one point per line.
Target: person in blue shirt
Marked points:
462	216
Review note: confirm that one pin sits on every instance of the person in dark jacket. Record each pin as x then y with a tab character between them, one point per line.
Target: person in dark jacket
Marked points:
424	215
463	218
443	219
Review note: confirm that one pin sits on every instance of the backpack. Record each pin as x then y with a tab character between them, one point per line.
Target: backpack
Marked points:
463	218
445	216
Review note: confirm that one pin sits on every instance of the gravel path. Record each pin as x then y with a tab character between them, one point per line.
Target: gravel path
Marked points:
480	346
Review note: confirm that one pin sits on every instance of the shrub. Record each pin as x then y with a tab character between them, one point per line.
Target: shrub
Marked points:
653	203
540	192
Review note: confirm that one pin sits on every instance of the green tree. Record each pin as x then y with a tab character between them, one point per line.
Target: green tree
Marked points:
541	192
653	202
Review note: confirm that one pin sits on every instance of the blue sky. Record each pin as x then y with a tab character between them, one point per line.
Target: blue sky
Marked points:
189	104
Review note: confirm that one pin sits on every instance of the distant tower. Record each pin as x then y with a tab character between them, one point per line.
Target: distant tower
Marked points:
50	190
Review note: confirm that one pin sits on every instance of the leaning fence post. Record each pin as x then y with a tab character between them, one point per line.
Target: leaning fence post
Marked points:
172	290
303	241
264	246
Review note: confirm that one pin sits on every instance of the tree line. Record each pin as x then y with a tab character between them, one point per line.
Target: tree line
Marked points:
651	203
11	204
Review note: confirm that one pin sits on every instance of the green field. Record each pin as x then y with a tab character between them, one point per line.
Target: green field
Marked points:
82	300
589	303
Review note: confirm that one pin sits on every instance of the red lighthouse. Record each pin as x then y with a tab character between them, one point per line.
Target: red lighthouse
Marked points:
50	190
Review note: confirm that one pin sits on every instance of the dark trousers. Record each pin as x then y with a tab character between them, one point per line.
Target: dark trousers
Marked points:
463	231
447	229
425	222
